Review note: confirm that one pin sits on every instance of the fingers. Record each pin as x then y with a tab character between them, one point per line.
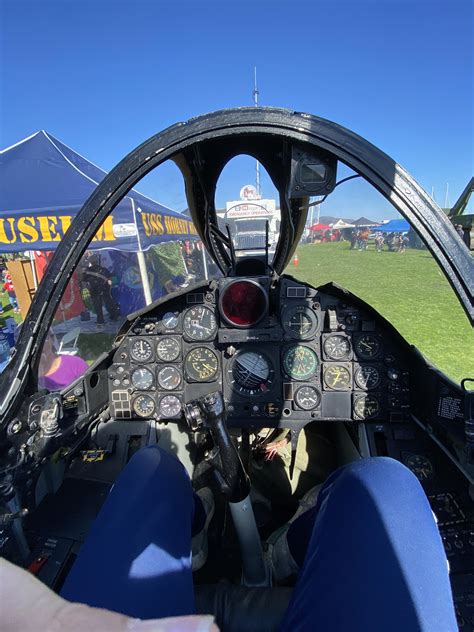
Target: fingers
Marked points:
27	605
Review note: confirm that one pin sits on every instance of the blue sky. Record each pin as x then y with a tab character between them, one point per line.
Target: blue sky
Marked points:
104	75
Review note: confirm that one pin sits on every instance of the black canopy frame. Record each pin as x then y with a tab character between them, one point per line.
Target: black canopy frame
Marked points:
388	177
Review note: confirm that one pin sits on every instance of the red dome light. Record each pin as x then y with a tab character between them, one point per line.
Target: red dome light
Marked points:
243	303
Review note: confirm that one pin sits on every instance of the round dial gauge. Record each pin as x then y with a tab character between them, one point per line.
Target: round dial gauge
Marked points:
366	407
169	320
199	323
141	350
170	406
337	347
300	322
337	377
367	377
144	406
367	347
307	397
251	373
201	364
168	349
300	362
169	378
420	466
142	378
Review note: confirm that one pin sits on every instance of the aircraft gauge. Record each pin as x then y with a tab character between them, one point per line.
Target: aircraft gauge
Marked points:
337	347
169	320
201	364
144	406
251	373
420	466
367	347
367	377
167	349
307	397
299	322
169	378
142	378
141	350
337	377
300	362
170	406
366	406
199	323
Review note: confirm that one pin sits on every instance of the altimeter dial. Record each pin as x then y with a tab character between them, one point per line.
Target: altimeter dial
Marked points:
200	323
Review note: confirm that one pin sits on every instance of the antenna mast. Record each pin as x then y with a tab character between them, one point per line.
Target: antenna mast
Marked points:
255	94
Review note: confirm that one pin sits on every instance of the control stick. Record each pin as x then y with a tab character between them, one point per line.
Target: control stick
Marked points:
208	413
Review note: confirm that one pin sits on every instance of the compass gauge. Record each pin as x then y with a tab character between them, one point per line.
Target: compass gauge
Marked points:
300	362
299	322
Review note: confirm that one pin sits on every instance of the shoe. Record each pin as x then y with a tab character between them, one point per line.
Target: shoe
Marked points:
199	544
280	560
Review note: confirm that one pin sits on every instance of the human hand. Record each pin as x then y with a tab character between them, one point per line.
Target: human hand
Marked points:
27	605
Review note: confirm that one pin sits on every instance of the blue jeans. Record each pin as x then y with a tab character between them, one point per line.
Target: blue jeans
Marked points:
373	557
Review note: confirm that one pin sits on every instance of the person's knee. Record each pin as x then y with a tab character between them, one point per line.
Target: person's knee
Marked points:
376	474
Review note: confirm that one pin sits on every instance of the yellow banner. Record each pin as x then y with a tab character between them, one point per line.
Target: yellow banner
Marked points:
35	230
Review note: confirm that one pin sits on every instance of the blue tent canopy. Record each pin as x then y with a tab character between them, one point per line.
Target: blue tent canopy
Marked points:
394	226
43	185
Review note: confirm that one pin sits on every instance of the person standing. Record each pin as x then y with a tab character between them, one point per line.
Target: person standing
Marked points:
99	282
9	288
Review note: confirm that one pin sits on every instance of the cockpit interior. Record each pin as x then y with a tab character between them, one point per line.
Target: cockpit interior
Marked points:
260	383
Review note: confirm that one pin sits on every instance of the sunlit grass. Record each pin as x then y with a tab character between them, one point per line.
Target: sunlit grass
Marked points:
407	288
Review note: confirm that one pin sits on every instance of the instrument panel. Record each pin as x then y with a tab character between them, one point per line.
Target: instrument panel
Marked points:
282	353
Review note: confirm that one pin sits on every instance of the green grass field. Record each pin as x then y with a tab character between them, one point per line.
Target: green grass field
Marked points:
408	289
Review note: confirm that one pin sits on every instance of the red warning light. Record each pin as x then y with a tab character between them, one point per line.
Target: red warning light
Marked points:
243	303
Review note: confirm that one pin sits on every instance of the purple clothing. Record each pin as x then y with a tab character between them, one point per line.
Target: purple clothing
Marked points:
70	368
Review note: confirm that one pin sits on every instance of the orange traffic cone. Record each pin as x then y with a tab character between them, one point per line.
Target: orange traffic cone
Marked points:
296	261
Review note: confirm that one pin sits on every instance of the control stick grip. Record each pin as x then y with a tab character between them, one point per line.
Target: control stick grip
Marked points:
232	470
